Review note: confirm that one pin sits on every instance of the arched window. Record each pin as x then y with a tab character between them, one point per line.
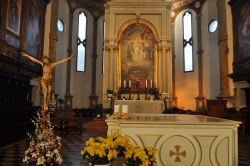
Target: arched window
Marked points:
188	42
81	42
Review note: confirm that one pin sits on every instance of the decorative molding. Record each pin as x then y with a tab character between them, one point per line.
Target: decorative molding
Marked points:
178	4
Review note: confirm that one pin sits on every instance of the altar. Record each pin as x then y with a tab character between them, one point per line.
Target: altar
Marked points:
143	106
182	140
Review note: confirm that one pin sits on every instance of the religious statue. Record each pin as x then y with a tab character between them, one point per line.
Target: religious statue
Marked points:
47	77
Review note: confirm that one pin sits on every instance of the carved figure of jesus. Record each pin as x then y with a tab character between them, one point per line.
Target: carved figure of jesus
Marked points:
47	77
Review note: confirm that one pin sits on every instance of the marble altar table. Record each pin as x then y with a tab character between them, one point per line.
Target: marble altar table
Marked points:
143	106
182	140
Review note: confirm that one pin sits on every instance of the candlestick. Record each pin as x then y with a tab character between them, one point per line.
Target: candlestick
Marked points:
124	112
151	83
124	83
129	83
146	83
124	108
117	108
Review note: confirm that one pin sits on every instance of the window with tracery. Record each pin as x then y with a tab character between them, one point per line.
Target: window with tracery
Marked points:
188	42
81	42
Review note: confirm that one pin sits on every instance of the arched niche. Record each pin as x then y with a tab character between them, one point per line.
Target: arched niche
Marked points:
137	21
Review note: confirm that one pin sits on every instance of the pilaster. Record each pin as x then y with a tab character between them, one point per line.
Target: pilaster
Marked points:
223	50
68	97
200	99
174	98
93	97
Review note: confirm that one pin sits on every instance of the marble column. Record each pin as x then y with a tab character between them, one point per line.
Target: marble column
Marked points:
93	97
223	50
68	97
200	100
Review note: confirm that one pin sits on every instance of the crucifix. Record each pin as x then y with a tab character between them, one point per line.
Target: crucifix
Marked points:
47	77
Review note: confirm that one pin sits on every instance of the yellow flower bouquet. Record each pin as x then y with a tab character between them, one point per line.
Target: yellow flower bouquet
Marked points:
137	156
99	151
121	143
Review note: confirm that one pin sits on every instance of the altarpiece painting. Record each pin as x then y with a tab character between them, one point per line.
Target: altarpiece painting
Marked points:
137	60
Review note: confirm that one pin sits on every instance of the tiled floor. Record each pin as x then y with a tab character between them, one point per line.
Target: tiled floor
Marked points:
72	143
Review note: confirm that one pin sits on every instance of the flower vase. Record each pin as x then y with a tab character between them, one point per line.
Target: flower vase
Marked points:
118	162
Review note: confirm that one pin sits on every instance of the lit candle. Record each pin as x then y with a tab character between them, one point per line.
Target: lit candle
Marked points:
125	109
151	83
146	83
129	83
124	83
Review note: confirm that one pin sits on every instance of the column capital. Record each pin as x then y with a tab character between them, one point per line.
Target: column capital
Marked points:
163	45
111	45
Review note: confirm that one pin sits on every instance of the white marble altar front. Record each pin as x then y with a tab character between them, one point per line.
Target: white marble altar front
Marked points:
143	106
182	140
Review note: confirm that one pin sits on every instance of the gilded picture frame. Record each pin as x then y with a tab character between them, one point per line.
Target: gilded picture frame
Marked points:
137	56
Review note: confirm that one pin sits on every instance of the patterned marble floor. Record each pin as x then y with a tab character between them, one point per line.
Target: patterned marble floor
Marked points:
72	143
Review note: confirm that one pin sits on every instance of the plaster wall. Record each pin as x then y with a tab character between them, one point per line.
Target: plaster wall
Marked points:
186	82
211	63
81	81
61	49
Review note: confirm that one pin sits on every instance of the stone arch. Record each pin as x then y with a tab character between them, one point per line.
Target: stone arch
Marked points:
137	21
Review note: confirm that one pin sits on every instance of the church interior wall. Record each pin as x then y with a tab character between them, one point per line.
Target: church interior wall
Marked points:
211	64
186	82
186	91
81	81
61	49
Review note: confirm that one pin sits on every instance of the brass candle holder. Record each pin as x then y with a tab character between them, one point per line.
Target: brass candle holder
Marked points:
124	116
117	115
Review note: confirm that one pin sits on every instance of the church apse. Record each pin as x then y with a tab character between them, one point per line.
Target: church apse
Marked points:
137	59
